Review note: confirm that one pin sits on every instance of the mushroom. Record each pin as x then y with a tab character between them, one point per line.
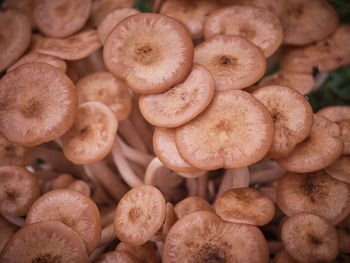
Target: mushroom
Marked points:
7	231
11	154
191	204
27	6
340	169
145	253
117	256
283	257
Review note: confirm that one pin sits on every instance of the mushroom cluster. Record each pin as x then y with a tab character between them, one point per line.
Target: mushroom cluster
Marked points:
167	137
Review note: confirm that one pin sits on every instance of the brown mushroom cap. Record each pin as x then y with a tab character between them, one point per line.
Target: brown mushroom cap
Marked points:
11	154
322	147
71	208
37	57
105	88
47	241
245	206
61	18
151	52
75	47
310	238
39	112
15	34
340	115
27	6
283	257
92	135
259	26
305	22
145	253
112	19
7	231
19	188
325	55
315	193
203	237
117	256
139	215
181	103
80	186
340	169
235	131
234	62
191	204
170	218
62	181
298	81
191	13
292	116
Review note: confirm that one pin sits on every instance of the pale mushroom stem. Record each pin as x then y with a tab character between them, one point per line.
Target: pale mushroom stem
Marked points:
151	171
97	252
156	5
95	62
211	189
108	235
266	175
319	80
15	220
123	166
192	186
138	170
234	178
134	155
107	217
110	181
203	186
127	130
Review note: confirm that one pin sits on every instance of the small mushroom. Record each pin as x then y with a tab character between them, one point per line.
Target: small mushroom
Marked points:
340	169
191	204
117	256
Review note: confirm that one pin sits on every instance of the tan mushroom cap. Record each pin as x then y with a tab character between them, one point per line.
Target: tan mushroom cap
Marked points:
7	231
80	186
37	57
12	154
139	215
117	256
151	52
305	22
26	6
259	26
71	208
322	147
292	116
235	131
203	237
38	104
105	88
92	135
61	18
101	8
191	13
181	103
325	55
47	241
75	47
165	149
315	193
245	206
191	204
234	62
300	82
310	238
19	188
170	218
112	19
340	115
62	181
340	169
283	257
145	253
15	34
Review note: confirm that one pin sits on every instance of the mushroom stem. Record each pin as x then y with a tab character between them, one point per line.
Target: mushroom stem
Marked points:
274	246
127	131
266	174
107	235
234	178
319	80
203	186
192	187
151	171
124	169
97	252
107	217
211	189
15	220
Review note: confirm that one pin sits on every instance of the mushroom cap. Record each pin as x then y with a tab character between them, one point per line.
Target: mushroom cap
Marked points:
303	83
112	19
105	88
325	55
310	238
245	206
283	257
117	256
315	193
258	25
151	52
15	34
236	130
62	181
19	188
38	104
305	22
181	103
145	253
292	116
27	6
61	18
340	115
7	231
191	204
92	135
12	154
37	57
191	13
322	147
139	215
340	169
203	237
46	241
234	62
71	208
80	186
170	218
74	47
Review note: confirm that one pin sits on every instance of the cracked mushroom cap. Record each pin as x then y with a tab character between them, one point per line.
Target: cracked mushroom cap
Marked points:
203	237
259	26
340	169
138	51
322	147
235	131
